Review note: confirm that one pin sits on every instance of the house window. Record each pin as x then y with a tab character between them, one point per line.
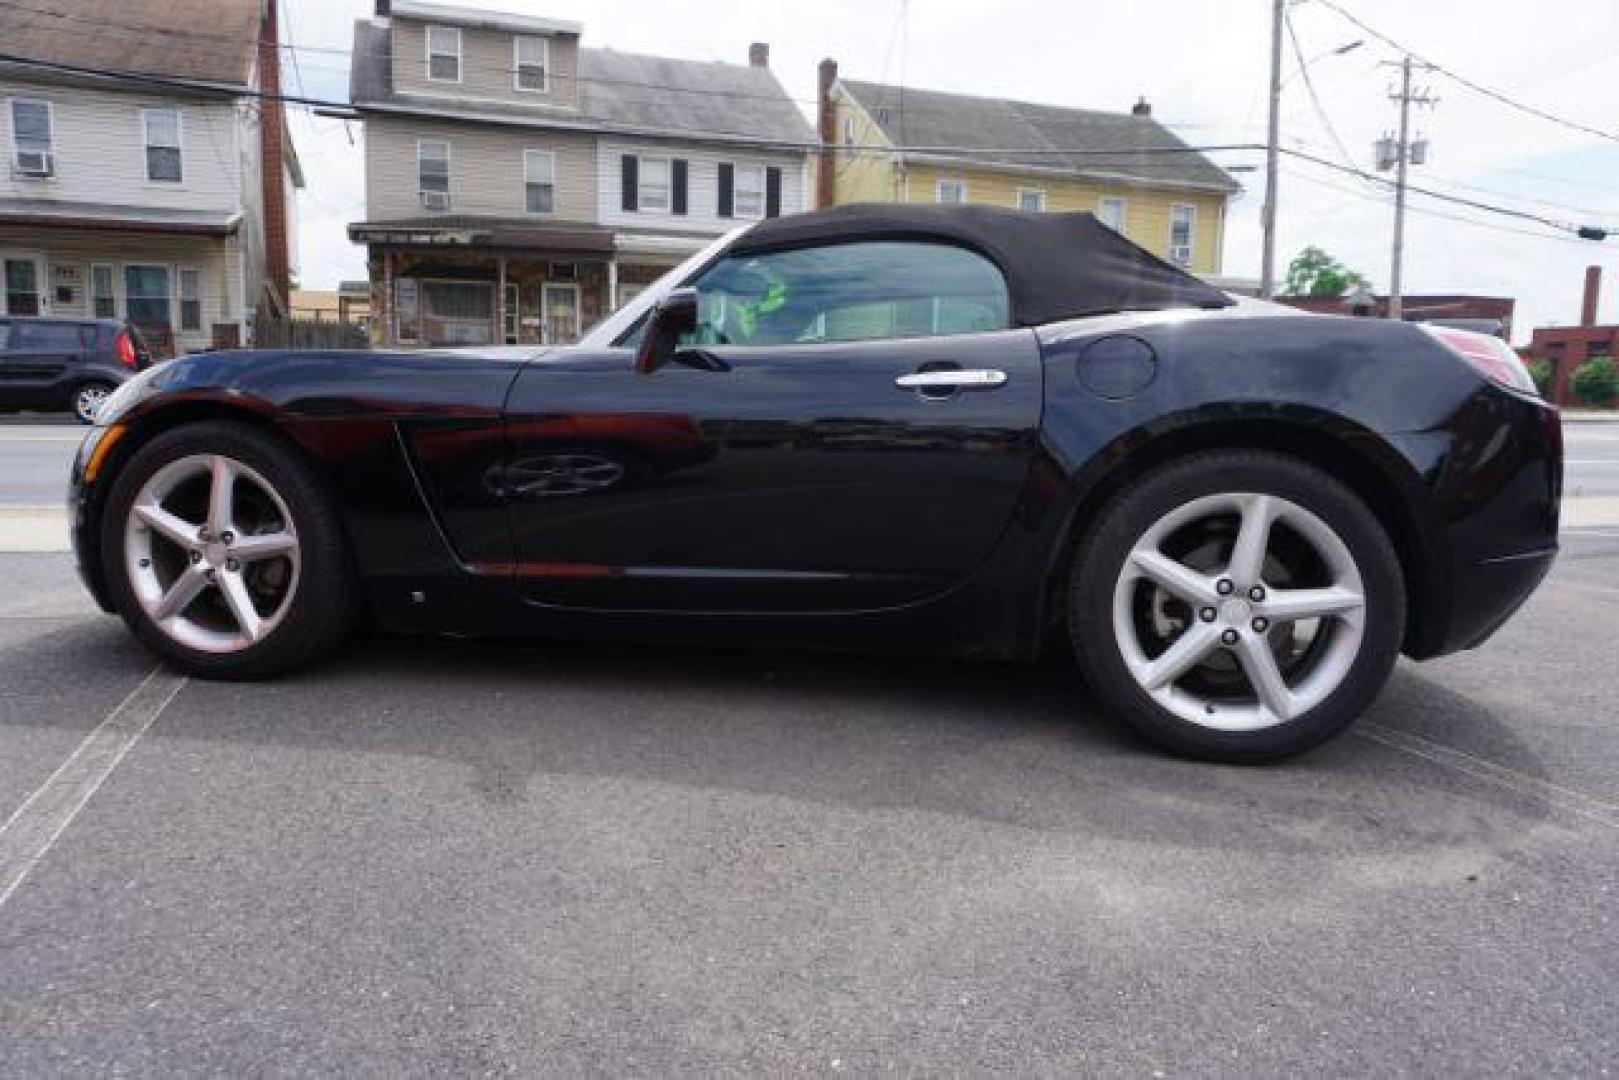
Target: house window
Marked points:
652	186
433	173
1182	219
532	64
952	191
22	285
1031	200
750	191
539	181
162	127
190	299
146	296
103	302
848	134
443	54
31	138
1110	212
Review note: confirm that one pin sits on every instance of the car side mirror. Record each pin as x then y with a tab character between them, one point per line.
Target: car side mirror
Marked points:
674	315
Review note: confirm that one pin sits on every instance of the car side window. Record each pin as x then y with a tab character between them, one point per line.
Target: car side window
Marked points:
69	337
862	291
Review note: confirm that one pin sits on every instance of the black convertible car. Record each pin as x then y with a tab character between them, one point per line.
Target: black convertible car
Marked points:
949	430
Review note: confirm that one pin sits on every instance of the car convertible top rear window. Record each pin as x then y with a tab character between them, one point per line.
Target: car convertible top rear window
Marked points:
1057	266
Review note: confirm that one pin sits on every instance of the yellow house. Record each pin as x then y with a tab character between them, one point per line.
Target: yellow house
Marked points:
897	144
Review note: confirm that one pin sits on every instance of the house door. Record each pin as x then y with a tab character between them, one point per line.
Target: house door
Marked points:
510	313
559	304
24	285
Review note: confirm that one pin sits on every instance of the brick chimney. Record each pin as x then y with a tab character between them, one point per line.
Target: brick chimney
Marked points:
1593	289
827	125
759	54
1142	107
272	152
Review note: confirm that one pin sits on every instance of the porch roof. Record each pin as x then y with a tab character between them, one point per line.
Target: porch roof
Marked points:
79	215
486	233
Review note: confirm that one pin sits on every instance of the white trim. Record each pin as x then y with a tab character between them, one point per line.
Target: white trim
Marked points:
41	289
428	54
1124	212
449	172
737	168
1040	192
479	17
668	186
1191	233
552	154
180	301
517	64
90	290
147	144
545	313
50	122
938	189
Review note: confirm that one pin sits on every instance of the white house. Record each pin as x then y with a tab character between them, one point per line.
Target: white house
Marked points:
142	177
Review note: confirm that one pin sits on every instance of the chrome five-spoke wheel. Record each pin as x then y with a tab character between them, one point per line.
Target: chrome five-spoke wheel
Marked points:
1239	611
211	553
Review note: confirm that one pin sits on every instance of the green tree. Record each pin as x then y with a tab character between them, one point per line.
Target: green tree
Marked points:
1597	382
1315	273
1541	372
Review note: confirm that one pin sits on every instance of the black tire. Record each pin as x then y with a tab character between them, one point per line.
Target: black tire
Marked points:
325	601
79	402
1099	560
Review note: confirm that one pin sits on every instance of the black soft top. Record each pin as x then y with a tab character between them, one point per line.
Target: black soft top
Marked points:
1057	266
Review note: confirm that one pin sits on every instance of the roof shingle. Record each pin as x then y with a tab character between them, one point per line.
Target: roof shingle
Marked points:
1020	134
205	40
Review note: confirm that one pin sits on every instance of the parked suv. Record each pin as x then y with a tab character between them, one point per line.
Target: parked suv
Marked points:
49	363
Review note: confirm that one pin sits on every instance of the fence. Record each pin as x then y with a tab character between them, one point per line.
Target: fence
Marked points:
307	334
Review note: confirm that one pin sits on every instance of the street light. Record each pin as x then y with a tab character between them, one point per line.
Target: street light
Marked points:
1342	50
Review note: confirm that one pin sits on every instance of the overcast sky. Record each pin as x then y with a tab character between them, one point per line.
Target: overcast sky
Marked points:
1203	65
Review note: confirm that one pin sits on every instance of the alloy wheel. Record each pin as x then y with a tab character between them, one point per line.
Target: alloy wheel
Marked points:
212	553
89	398
1239	611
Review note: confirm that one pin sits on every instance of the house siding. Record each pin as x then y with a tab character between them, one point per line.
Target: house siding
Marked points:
486	170
99	146
861	176
488	66
702	185
214	257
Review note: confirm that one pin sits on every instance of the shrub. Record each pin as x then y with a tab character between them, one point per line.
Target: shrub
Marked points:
1596	382
1541	372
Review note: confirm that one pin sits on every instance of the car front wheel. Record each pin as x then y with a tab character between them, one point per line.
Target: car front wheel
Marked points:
223	553
1237	606
88	399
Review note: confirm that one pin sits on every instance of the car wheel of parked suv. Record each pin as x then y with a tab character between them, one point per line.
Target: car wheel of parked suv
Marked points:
87	399
1237	606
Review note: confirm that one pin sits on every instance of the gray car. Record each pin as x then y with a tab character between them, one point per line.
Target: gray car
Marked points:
66	364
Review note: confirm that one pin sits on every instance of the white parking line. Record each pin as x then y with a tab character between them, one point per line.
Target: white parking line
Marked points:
30	832
1578	802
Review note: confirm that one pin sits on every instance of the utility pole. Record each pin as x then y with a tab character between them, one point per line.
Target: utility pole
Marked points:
1404	154
1267	268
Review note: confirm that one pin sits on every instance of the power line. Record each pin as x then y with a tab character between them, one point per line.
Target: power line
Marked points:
1309	85
1476	87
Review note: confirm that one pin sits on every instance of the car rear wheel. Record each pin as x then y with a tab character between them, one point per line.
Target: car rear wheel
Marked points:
1237	606
224	554
88	398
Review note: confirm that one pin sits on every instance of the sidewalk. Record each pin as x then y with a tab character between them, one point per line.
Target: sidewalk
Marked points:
1591	416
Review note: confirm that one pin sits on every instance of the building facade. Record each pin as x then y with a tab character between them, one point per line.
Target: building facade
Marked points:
1567	348
1484	314
163	194
519	186
885	143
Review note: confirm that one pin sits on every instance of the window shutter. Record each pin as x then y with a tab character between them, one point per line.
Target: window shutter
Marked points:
727	189
630	181
772	192
677	186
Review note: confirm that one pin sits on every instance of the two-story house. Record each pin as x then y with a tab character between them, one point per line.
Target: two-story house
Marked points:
144	177
885	143
520	186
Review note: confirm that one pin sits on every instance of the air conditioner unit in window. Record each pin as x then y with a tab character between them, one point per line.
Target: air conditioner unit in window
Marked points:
1180	254
436	200
35	163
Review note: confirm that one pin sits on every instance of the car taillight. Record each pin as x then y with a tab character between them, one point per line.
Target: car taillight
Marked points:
1489	356
126	350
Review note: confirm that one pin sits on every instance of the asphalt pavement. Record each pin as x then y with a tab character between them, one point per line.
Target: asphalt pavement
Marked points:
455	857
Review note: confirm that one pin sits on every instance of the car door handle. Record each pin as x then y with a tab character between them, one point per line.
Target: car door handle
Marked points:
953	379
